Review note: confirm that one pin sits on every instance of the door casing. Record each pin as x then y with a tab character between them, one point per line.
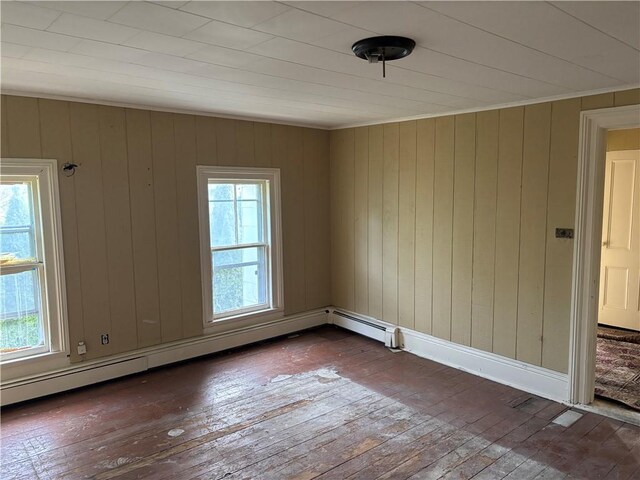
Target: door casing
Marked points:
594	125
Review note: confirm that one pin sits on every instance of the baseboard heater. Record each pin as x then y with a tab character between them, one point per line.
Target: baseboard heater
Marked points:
388	334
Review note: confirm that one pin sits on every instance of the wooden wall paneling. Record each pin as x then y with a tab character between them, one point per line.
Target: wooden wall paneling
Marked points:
361	213
443	226
316	218
291	174
628	139
346	199
262	142
324	249
92	244
4	128
424	224
117	208
407	224
391	166
206	143
294	248
143	227
484	230
167	241
186	158
627	97
336	139
227	141
533	222
507	250
602	100
374	226
245	143
565	122
55	133
463	228
24	134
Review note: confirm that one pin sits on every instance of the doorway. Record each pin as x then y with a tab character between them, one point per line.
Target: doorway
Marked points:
617	368
588	248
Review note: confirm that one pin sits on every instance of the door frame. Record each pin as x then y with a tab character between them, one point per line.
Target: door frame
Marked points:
594	125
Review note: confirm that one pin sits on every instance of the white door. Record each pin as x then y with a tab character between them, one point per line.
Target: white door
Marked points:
620	261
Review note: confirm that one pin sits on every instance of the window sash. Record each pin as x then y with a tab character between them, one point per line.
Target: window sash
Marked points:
270	224
20	265
48	263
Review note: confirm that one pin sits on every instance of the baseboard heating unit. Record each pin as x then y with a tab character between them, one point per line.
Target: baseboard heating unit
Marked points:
386	333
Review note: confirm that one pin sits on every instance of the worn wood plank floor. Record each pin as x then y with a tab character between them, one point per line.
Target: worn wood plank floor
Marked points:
325	404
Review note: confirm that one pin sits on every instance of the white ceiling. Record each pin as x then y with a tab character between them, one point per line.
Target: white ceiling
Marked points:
291	61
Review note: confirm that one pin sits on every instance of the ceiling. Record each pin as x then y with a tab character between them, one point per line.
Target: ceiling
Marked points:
291	62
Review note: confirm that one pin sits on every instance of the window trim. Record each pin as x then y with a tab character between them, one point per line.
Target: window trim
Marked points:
53	295
240	174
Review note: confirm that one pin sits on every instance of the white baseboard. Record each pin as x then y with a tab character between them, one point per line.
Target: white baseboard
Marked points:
539	381
87	373
523	376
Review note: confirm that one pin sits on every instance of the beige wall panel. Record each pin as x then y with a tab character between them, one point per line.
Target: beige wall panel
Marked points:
245	143
623	139
227	141
390	171
336	139
290	162
184	127
130	217
484	230
533	221
115	181
627	97
316	218
143	227
563	157
592	102
262	139
206	144
424	224
507	249
374	239
407	224
167	241
462	248
92	247
361	214
56	143
293	222
4	129
443	226
342	170
24	130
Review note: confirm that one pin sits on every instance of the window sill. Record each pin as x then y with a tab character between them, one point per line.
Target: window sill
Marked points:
243	320
34	364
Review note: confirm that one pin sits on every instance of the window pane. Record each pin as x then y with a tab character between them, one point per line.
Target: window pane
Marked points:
20	317
249	213
239	279
222	221
16	222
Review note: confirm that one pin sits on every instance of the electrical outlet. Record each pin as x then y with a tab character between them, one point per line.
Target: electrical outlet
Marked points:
82	348
104	338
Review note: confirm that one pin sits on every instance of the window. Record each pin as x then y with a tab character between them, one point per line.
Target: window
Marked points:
31	293
240	240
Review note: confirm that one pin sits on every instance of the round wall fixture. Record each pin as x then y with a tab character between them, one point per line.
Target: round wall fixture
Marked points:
385	48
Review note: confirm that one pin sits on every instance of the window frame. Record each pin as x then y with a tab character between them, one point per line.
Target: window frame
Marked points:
272	227
49	261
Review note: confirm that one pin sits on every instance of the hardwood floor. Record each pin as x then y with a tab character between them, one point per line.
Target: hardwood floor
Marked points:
324	404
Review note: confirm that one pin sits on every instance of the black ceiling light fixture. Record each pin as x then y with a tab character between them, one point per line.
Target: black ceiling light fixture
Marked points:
385	48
